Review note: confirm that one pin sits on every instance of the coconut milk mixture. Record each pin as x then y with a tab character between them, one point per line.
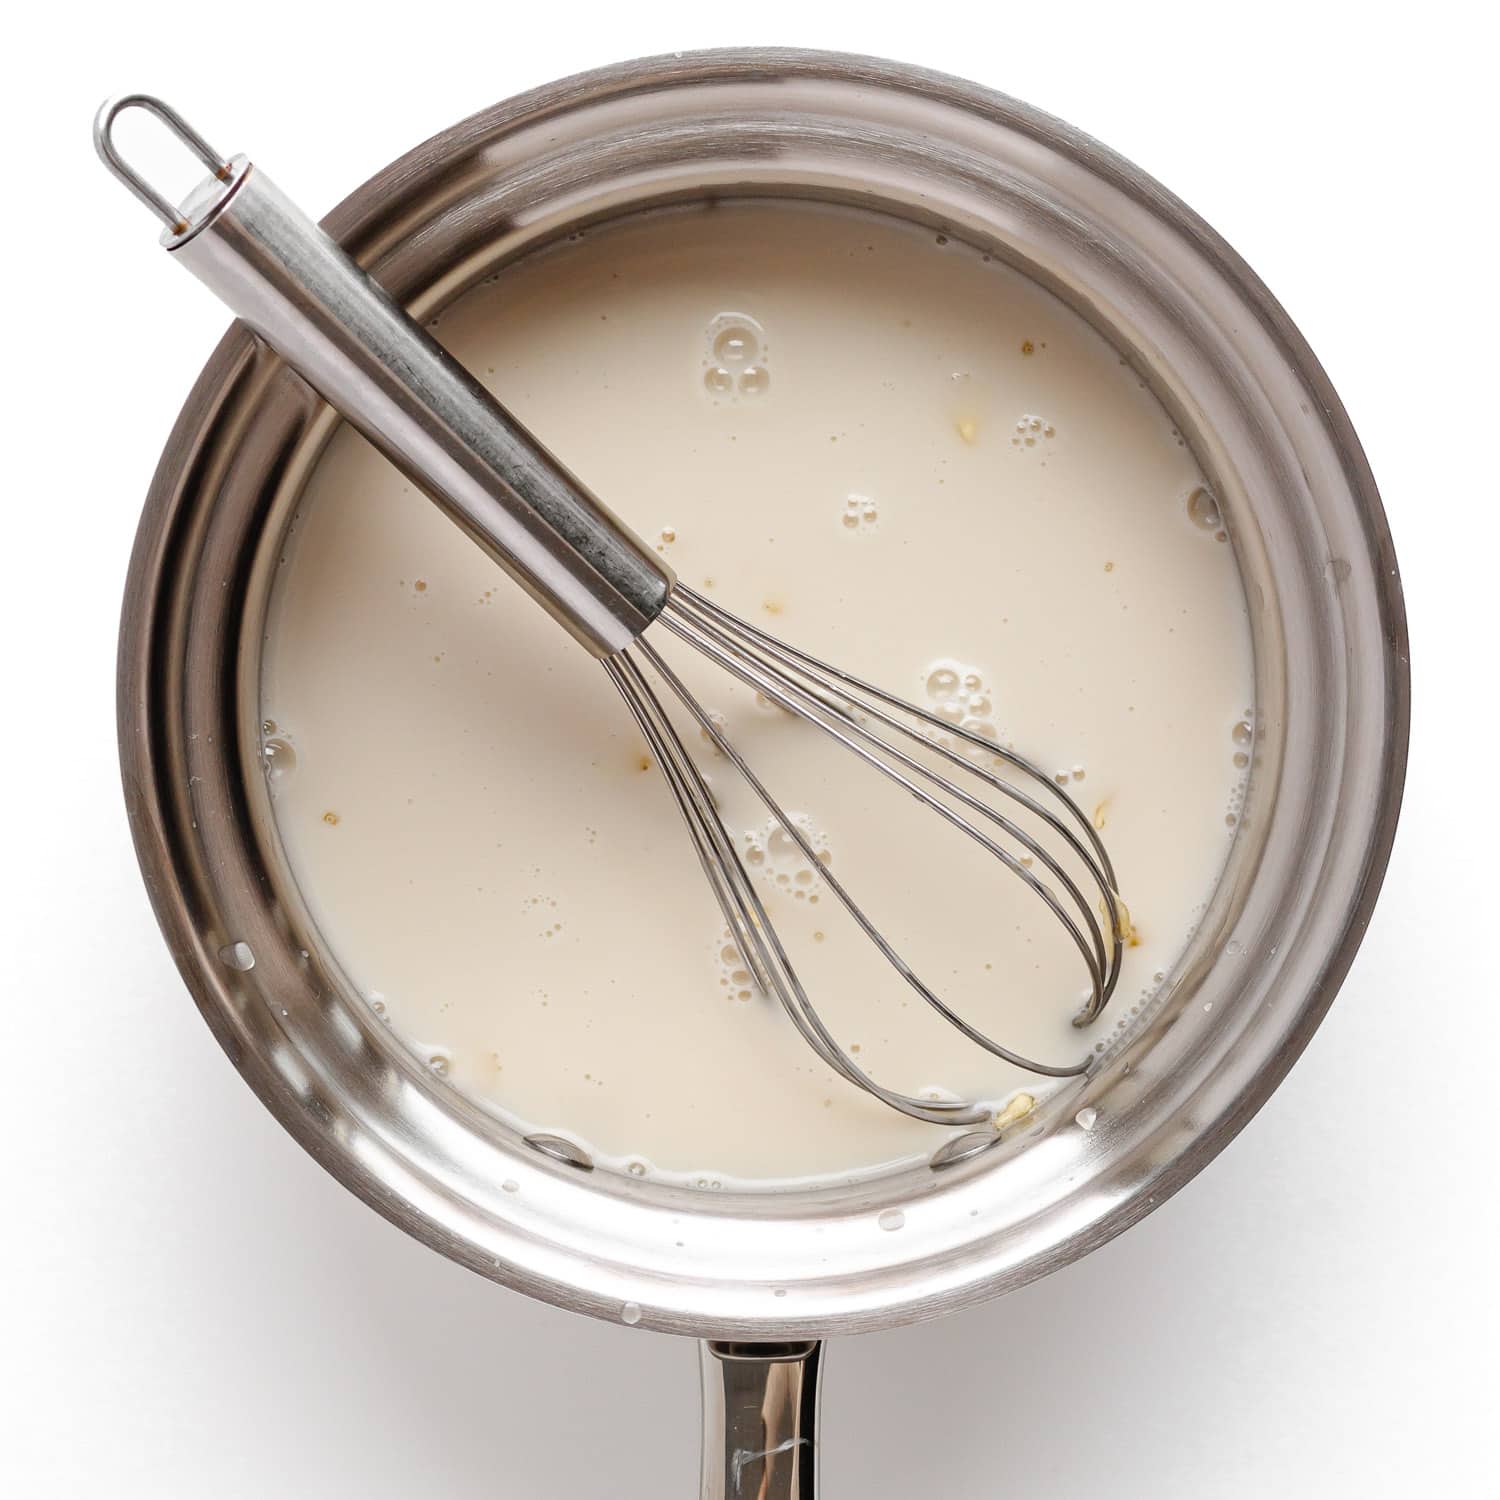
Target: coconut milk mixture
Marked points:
890	450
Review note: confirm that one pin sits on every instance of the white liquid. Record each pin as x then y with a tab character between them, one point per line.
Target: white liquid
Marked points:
893	452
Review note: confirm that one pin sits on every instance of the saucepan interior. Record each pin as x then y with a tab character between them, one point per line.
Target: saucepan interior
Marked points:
1320	809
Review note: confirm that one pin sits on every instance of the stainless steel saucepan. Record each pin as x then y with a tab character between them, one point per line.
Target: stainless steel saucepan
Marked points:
763	1278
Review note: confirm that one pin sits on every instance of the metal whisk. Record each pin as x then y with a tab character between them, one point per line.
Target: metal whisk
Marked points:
295	288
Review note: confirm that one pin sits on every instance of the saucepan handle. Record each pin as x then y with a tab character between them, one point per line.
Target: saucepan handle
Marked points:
760	1420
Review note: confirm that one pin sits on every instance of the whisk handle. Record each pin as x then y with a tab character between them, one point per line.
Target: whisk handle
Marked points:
292	285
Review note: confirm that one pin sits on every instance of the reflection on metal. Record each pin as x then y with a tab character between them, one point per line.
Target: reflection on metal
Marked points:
963	1148
760	1420
560	1148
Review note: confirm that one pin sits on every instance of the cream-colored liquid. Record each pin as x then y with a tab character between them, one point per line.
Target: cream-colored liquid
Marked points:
935	475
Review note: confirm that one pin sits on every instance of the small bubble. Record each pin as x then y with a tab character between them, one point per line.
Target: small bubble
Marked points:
736	344
279	757
440	1063
891	1219
942	682
669	533
755	381
718	381
1241	760
1242	733
637	1169
1203	509
237	956
331	819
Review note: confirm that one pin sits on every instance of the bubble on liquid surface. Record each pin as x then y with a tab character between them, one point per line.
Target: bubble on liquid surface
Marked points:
237	956
891	1219
777	854
1031	430
736	358
440	1061
736	982
1242	733
1203	509
737	343
959	696
942	683
860	513
279	757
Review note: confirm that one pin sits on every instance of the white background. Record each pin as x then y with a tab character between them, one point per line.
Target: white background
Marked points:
193	1309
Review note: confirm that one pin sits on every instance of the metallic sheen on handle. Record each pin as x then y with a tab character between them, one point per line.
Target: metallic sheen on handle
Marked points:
760	1420
360	350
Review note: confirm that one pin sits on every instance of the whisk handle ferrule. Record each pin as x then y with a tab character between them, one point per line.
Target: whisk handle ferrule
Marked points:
298	290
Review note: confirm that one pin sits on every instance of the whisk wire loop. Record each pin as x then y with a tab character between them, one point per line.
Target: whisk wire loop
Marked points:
819	709
854	713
